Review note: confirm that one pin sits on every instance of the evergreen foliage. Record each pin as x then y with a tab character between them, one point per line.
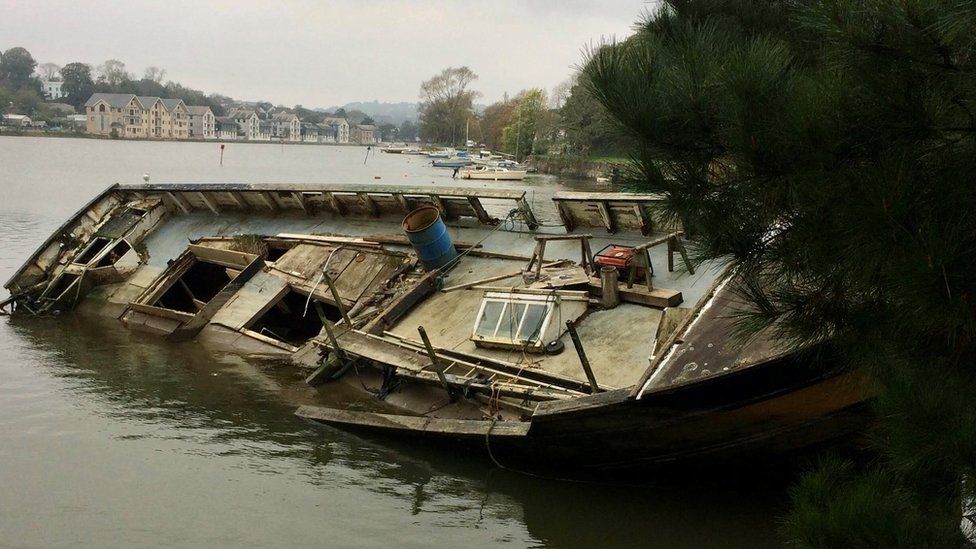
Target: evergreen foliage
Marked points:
826	147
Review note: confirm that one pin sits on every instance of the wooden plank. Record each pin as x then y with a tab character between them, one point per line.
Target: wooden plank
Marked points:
359	275
160	311
225	258
562	236
577	196
472	428
658	297
402	304
460	192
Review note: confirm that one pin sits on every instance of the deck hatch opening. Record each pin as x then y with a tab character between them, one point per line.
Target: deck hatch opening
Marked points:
287	320
61	286
200	283
118	250
94	247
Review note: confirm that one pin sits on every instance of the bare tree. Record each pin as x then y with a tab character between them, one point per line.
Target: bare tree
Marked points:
155	74
113	72
561	92
47	71
446	103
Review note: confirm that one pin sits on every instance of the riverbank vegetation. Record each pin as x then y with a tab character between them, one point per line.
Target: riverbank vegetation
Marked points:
826	148
565	132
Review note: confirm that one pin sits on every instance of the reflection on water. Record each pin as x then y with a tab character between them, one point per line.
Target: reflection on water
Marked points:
109	438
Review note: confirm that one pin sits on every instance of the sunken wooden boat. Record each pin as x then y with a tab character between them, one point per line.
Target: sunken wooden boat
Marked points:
579	339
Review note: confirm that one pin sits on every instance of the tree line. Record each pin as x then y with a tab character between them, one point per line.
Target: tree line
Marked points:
826	149
567	121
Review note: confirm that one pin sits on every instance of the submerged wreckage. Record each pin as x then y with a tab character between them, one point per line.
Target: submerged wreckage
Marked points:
574	341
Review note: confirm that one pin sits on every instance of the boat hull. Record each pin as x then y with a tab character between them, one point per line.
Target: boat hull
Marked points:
764	415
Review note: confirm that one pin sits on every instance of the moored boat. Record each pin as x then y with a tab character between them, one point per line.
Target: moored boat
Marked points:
493	174
452	163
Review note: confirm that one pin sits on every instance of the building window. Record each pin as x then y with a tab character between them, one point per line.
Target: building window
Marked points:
101	108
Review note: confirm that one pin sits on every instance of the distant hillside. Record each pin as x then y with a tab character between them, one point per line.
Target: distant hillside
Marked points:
388	113
392	113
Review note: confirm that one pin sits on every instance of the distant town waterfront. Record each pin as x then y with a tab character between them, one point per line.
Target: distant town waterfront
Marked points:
122	440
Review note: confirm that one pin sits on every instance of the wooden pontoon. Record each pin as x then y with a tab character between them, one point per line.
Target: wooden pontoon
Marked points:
522	345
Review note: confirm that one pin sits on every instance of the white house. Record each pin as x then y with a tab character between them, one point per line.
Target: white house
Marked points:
52	89
341	127
248	122
203	123
286	126
20	120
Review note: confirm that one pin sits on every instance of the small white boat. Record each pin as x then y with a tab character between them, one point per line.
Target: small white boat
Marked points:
493	173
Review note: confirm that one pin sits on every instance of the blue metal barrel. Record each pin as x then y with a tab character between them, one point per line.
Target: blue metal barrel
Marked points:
428	235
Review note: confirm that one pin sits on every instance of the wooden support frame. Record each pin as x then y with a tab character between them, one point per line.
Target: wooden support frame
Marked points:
479	210
239	199
211	204
334	203
605	214
302	203
179	201
368	203
269	201
538	256
403	202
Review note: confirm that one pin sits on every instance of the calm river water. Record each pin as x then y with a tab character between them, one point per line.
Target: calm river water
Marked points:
112	439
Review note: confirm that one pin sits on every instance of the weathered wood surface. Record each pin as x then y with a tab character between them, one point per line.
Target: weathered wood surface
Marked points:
415	424
463	192
402	304
658	297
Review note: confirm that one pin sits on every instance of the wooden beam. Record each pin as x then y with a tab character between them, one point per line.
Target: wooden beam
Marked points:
571	328
402	201
645	221
527	214
300	199
493	278
605	214
368	203
239	199
437	365
334	203
479	211
436	200
179	201
562	236
566	217
658	297
269	201
212	204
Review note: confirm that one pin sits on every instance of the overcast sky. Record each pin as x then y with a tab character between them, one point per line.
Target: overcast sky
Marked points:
327	52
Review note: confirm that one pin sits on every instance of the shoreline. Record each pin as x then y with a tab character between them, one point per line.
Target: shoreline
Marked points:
74	135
